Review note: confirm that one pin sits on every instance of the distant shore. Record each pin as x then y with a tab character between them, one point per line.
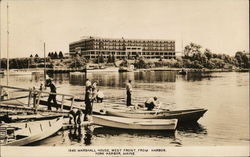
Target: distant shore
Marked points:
147	69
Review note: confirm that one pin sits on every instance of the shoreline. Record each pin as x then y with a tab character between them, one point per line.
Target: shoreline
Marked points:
155	69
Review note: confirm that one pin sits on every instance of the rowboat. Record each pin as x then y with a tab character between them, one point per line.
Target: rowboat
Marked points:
137	124
19	134
182	115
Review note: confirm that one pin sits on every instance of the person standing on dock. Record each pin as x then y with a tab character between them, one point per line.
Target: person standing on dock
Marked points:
88	104
87	84
51	96
129	92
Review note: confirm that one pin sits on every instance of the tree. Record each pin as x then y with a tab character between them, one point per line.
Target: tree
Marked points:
140	63
36	58
191	49
210	65
60	55
219	63
208	54
79	62
238	56
55	55
124	63
246	61
52	55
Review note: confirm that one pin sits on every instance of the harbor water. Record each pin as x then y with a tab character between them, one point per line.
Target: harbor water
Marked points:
225	95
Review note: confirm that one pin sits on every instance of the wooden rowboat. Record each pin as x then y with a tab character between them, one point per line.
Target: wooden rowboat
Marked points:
182	115
19	134
138	124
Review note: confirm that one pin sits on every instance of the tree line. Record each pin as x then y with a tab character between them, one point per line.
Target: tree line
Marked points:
195	57
54	55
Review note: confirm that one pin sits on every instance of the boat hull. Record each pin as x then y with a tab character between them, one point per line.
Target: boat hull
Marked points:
182	115
35	131
137	124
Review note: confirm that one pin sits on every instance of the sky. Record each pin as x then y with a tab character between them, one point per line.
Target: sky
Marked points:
220	25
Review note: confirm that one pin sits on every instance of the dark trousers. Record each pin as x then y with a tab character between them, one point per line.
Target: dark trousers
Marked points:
88	109
99	99
53	98
150	106
128	98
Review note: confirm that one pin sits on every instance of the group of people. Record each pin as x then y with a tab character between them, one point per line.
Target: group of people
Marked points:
93	94
150	103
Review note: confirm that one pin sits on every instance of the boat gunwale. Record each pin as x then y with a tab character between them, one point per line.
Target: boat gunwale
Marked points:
132	123
182	112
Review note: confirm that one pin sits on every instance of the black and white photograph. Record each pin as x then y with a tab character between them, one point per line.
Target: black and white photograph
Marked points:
124	78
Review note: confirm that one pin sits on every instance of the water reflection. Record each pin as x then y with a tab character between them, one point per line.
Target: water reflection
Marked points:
197	76
192	128
155	76
75	134
88	135
77	79
120	79
106	131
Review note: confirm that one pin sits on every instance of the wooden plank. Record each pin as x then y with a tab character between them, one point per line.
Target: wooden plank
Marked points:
72	102
14	109
20	97
62	102
65	107
1	91
30	93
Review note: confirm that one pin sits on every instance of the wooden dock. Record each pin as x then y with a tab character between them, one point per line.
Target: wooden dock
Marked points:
21	101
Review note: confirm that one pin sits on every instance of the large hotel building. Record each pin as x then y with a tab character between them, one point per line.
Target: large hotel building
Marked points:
93	47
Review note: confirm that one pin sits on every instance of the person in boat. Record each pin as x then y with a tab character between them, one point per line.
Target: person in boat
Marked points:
129	92
88	104
52	97
99	96
151	103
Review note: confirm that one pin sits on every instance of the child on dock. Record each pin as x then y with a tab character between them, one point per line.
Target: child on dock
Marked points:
99	96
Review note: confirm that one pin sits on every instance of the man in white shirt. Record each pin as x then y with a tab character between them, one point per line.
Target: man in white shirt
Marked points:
151	103
129	92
